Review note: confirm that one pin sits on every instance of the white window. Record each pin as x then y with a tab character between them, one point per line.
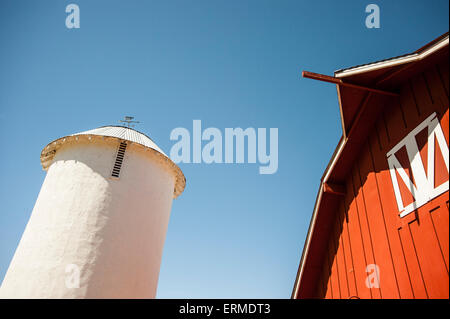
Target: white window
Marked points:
423	189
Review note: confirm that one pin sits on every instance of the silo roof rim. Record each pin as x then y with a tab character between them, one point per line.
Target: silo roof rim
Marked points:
124	133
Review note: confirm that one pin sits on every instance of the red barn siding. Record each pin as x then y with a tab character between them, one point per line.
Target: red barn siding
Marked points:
412	252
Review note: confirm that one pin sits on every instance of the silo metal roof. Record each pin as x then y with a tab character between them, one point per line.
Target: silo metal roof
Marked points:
121	133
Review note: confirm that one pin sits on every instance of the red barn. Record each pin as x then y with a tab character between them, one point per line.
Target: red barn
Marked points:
380	225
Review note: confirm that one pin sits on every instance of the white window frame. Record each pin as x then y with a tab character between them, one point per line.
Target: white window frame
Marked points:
423	190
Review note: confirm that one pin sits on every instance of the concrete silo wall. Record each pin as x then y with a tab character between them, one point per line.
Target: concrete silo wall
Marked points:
109	230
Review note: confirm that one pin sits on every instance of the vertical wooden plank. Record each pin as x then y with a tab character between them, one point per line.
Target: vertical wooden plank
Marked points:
349	268
395	123
378	232
340	256
409	253
440	222
322	285
429	254
365	227
407	103
356	242
334	267
382	138
422	95
442	69
327	277
444	120
440	168
437	89
332	279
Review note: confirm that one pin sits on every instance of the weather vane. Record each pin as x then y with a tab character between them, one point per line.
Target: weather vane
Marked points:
129	120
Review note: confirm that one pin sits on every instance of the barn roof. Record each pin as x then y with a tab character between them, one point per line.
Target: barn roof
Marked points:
121	133
362	90
383	75
385	64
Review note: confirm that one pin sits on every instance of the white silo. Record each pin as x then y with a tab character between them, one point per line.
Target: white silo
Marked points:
98	227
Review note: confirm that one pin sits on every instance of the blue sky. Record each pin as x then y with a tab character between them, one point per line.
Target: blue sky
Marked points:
233	233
